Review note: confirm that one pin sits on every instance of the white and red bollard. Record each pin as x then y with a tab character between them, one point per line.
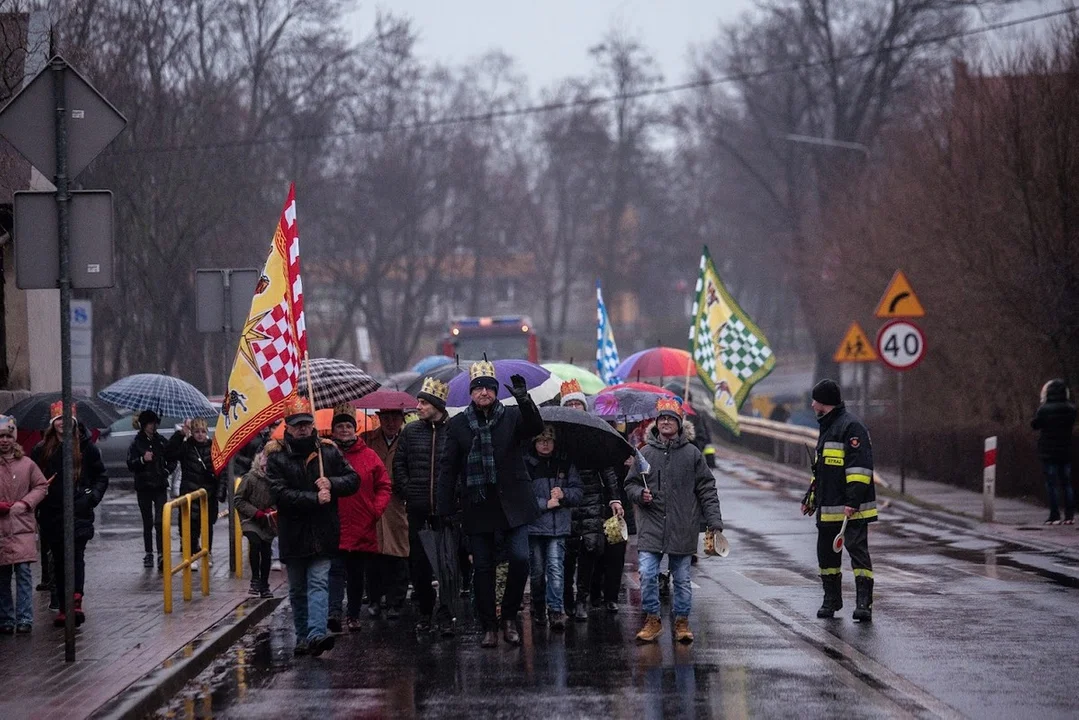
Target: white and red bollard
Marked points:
989	478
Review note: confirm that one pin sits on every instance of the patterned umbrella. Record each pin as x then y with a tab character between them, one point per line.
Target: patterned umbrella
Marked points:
164	394
542	386
335	381
657	362
431	362
590	382
32	413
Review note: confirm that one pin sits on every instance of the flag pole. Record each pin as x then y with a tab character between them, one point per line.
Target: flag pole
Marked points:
311	399
685	390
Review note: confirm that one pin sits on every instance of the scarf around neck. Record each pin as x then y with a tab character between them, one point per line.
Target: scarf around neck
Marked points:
480	471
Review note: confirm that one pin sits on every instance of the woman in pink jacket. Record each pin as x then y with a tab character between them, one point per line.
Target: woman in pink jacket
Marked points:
22	487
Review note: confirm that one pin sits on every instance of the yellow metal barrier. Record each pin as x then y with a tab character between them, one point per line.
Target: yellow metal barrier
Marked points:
238	545
184	501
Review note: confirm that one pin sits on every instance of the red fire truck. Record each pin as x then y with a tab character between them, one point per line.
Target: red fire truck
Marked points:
503	337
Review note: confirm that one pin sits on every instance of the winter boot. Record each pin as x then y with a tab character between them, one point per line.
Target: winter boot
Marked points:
580	613
539	613
682	633
651	629
80	616
864	610
833	595
148	560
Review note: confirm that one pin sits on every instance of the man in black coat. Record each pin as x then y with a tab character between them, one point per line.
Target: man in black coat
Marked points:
1055	419
305	491
416	467
484	472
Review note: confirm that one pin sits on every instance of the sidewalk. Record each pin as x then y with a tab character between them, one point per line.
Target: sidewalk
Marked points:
126	634
1015	520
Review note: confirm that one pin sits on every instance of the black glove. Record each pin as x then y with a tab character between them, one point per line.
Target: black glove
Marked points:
519	389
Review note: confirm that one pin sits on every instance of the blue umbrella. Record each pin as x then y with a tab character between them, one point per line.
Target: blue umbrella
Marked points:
163	394
431	362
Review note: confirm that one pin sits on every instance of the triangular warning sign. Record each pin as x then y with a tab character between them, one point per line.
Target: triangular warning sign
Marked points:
899	300
855	347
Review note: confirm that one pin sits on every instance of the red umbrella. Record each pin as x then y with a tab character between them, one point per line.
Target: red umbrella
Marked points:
657	362
383	399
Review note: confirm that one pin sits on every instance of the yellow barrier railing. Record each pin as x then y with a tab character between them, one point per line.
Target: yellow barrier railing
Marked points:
238	533
184	502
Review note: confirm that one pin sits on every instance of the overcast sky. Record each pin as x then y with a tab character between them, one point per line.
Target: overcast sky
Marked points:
550	38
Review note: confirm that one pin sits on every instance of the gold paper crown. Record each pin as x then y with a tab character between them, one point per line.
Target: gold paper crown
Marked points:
570	386
57	409
297	405
668	405
434	386
483	368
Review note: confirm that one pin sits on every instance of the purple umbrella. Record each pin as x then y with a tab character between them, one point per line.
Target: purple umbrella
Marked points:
542	386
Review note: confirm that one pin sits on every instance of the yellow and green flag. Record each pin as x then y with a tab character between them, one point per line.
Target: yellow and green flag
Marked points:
730	351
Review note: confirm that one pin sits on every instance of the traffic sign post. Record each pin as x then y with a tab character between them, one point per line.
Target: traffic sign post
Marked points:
83	124
901	346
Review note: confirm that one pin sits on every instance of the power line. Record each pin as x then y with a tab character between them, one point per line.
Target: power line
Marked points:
490	116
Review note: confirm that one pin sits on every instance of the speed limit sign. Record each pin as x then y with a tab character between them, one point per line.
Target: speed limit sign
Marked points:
901	344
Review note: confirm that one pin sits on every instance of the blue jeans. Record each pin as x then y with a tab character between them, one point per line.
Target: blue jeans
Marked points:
1061	472
23	611
547	563
648	564
308	592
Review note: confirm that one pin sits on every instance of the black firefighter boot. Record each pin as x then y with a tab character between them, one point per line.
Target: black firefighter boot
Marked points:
833	595
864	610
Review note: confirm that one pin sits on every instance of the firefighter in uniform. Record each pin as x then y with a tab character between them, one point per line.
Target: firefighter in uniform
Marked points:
842	487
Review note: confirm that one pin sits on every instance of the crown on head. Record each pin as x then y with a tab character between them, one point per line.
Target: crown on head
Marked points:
434	386
668	405
570	386
57	409
483	368
298	405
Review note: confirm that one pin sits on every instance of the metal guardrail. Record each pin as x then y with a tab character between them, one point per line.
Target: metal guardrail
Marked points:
184	502
786	436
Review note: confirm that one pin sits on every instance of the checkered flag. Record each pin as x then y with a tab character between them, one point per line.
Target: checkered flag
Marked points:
606	351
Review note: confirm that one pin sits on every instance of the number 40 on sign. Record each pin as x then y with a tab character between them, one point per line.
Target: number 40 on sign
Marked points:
901	344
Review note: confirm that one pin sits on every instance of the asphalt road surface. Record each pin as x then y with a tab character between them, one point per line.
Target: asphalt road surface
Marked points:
964	626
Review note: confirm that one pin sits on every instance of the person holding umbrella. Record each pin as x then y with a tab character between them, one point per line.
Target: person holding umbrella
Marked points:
146	461
586	546
484	473
670	504
91	482
417	465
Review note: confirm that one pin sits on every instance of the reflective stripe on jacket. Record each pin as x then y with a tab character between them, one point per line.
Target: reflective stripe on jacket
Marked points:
844	469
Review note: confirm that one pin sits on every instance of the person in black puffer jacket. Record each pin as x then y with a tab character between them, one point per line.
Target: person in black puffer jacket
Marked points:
146	461
1055	419
587	543
91	482
193	449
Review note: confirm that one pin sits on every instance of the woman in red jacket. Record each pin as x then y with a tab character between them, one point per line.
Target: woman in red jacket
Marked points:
358	513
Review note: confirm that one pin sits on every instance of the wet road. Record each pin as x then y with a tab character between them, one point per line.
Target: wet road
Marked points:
964	626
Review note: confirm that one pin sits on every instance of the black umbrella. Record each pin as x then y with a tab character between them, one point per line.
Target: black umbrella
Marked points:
32	413
441	548
588	441
444	373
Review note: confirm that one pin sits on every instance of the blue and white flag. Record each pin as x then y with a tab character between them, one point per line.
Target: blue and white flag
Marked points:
606	351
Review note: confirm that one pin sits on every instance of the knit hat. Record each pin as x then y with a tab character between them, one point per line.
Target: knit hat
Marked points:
547	434
148	416
826	392
482	374
435	392
56	410
571	390
298	410
7	426
344	414
669	407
